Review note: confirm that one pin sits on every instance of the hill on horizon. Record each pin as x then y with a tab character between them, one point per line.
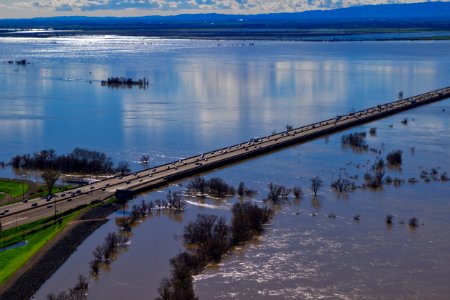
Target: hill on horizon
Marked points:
428	17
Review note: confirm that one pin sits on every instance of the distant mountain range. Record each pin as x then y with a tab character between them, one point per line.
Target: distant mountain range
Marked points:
427	15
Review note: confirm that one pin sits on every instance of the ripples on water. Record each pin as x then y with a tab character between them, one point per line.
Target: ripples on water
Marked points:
204	96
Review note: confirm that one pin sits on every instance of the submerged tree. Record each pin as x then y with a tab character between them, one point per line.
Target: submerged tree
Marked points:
343	184
374	178
144	159
198	184
316	184
277	192
78	292
297	191
394	158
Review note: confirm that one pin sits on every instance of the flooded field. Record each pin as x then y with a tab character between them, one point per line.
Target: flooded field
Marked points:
203	97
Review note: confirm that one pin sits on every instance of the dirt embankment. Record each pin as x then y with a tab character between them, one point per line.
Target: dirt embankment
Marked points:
35	272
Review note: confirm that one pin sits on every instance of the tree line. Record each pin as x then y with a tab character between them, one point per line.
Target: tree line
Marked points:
209	238
78	161
215	187
125	82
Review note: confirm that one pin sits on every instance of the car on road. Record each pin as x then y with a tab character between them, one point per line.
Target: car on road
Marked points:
49	205
34	204
25	201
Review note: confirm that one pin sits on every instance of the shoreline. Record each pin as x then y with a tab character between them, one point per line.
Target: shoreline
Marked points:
25	282
381	34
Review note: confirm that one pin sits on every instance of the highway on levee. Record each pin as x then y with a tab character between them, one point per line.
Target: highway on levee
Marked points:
34	209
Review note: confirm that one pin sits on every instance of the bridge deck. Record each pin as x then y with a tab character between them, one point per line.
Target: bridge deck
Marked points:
151	178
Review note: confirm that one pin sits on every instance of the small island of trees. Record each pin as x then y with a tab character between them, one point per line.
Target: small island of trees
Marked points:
80	161
122	82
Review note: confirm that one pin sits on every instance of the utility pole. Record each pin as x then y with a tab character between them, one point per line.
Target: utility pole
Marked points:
54	204
23	191
3	236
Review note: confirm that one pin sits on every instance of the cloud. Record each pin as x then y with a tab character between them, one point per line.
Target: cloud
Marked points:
146	7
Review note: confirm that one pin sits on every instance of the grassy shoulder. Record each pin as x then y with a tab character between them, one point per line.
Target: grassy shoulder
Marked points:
39	234
12	190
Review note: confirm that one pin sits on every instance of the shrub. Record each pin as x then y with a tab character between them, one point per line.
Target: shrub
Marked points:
316	184
343	184
413	222
394	158
297	191
389	219
215	187
277	193
248	220
357	141
374	178
78	161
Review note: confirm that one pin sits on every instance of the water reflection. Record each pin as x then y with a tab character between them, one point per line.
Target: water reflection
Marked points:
204	97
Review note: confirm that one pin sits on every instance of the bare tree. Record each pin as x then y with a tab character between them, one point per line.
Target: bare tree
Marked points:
123	168
50	177
394	158
297	191
198	184
241	189
343	184
144	159
275	192
316	184
176	201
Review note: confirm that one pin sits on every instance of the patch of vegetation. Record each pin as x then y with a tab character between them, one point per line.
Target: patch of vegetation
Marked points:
394	158
298	192
215	187
277	193
209	238
78	161
343	184
78	292
413	222
12	188
389	219
316	184
244	191
117	82
103	254
356	141
37	234
374	178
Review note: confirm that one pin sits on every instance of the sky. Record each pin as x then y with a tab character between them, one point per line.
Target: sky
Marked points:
48	8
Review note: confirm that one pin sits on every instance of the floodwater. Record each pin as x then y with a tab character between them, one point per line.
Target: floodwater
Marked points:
208	94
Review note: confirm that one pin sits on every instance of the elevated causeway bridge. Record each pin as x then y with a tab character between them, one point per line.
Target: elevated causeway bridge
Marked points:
155	177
